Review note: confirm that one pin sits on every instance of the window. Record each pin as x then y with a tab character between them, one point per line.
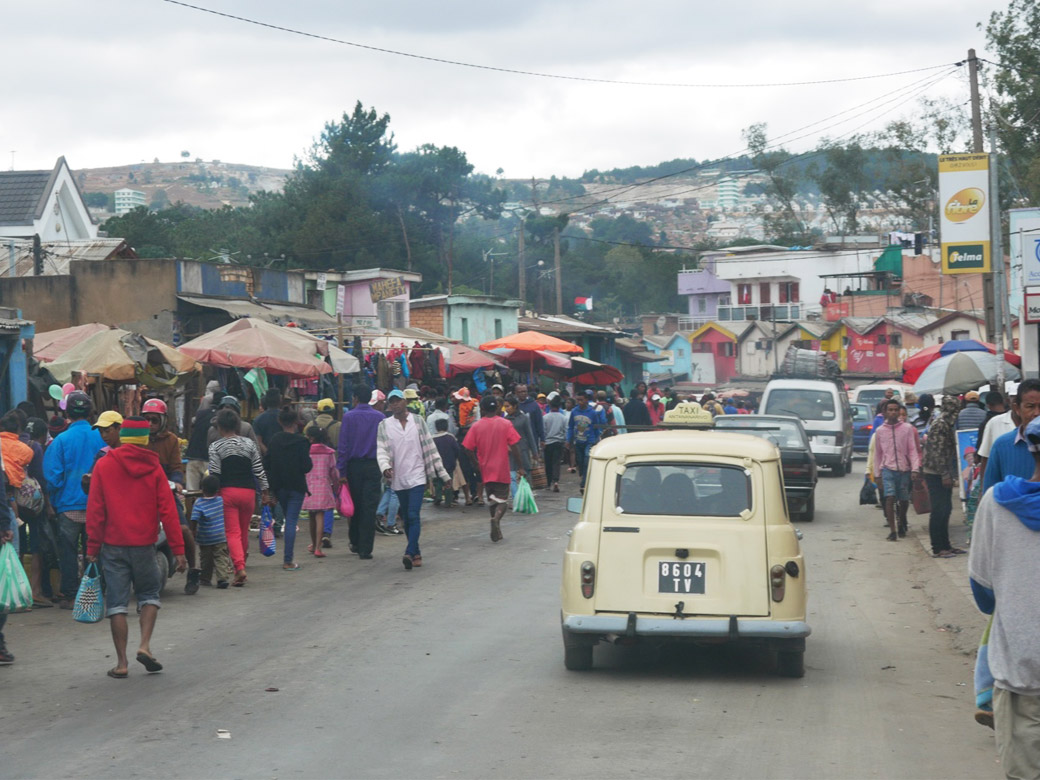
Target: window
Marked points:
498	329
960	335
702	305
701	346
683	489
392	314
803	404
744	294
881	339
724	300
725	349
895	339
763	292
788	292
465	330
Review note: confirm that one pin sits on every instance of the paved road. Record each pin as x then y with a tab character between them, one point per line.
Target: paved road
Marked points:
455	670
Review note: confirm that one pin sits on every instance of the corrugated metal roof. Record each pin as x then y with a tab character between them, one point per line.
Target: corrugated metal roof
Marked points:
278	313
58	254
559	323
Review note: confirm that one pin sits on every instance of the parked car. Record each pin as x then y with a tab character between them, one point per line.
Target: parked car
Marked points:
862	427
823	407
684	535
872	394
796	457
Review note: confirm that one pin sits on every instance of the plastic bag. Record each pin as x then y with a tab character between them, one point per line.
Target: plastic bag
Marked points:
267	545
344	503
523	501
868	493
89	606
15	592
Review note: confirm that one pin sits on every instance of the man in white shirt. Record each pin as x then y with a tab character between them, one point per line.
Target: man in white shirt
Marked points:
995	428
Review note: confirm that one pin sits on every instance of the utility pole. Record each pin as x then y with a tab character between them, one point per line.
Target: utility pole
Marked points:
996	251
556	261
523	268
988	302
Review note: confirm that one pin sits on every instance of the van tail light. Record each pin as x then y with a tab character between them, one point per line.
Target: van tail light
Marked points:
588	579
796	470
777	581
867	428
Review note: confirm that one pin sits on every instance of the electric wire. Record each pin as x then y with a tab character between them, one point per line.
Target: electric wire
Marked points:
518	72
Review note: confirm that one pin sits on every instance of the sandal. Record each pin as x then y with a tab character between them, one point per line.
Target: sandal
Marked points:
958	551
892	537
944	554
290	566
116	674
310	548
240	578
319	554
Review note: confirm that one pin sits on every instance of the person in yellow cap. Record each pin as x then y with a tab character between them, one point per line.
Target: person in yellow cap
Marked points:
414	403
972	415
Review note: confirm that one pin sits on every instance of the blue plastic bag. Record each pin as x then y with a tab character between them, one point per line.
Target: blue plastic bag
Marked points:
267	545
89	606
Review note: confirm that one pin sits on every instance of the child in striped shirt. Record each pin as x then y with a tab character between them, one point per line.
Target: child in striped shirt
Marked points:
208	517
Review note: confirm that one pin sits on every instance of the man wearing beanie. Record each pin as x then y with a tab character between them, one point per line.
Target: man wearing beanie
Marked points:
129	497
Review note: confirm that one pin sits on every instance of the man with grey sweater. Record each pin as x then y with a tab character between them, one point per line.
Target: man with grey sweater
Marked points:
1005	581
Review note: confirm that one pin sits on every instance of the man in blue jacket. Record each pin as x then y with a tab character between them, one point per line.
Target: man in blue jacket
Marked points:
67	459
583	432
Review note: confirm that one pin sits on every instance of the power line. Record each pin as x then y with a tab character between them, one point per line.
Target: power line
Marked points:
517	72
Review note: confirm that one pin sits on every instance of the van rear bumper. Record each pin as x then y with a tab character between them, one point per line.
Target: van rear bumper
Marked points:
719	628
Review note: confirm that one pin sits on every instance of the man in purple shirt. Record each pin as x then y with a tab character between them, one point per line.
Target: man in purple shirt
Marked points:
356	461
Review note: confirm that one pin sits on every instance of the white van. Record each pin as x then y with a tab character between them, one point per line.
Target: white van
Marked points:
872	394
823	407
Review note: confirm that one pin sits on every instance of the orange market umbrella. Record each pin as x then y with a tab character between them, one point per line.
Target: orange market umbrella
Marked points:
534	341
253	343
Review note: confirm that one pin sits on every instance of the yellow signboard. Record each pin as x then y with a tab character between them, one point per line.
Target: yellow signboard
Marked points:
964	220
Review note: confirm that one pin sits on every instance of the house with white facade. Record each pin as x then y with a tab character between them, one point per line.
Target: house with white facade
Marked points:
44	203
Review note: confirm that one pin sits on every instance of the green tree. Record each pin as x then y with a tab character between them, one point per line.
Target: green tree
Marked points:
783	224
841	180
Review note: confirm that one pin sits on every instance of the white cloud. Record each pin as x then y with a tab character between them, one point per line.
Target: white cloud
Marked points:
147	79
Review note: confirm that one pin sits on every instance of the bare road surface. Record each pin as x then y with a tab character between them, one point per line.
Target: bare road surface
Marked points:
455	670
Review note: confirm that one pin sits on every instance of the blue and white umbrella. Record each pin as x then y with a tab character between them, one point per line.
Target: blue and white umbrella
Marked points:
961	372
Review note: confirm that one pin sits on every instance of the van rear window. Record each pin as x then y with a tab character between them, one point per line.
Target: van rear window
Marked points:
688	489
803	404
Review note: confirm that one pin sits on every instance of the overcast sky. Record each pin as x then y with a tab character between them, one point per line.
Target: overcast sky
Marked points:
113	82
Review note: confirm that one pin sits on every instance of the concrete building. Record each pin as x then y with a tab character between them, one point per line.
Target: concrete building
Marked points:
471	319
373	297
44	203
127	199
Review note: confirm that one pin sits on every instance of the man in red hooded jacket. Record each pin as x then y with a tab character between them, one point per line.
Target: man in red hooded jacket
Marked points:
129	497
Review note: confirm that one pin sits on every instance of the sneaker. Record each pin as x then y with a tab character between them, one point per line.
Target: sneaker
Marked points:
191	586
222	584
353	548
393	529
5	655
381	528
407	561
984	717
326	542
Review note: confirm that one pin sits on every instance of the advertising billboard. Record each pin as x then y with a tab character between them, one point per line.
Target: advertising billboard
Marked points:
964	217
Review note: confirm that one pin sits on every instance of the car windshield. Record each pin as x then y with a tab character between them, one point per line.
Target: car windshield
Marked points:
686	489
803	404
872	397
861	413
785	434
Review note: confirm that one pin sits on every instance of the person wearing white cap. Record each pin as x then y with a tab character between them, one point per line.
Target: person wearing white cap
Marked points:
407	456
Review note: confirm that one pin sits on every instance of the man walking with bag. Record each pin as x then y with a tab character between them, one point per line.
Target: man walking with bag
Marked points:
491	441
895	453
129	497
358	469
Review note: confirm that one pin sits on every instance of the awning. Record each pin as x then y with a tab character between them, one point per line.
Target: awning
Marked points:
278	313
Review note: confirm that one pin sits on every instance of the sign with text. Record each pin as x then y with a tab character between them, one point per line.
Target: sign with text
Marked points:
322	281
341	299
964	217
382	289
1032	305
1025	244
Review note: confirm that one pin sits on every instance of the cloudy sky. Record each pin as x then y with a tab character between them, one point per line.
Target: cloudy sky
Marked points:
113	82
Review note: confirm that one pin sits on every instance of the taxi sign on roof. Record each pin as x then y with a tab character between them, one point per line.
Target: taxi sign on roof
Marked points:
689	414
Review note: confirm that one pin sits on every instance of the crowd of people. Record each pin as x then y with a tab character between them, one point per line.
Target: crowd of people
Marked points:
918	441
90	486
